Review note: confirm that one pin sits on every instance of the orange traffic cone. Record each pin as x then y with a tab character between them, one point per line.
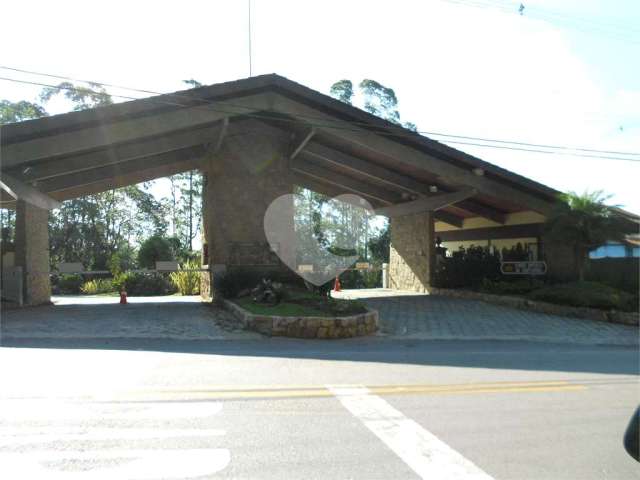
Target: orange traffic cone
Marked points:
123	297
336	285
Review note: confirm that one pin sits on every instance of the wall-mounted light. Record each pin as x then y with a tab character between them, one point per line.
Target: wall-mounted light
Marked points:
433	188
478	171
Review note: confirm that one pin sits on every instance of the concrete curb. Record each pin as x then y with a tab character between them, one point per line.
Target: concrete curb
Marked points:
306	327
611	316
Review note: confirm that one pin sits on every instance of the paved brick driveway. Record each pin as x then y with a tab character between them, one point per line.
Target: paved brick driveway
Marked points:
179	318
410	315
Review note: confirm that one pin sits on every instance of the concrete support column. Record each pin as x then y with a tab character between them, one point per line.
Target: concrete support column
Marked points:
32	252
248	173
412	253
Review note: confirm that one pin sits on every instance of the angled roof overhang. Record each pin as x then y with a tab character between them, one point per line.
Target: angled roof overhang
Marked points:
335	148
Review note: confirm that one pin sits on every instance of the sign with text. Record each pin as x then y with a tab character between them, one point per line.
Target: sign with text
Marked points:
362	266
523	268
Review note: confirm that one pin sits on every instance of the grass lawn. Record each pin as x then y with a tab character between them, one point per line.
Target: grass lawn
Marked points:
301	303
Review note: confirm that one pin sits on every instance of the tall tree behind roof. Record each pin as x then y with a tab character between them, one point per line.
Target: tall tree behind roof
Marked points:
342	90
12	112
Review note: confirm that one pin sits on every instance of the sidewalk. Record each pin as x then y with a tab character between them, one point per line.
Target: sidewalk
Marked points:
432	317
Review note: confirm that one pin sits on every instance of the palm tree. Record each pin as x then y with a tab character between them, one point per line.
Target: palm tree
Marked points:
584	222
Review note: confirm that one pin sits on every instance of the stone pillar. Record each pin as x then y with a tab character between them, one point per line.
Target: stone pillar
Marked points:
243	178
32	252
412	253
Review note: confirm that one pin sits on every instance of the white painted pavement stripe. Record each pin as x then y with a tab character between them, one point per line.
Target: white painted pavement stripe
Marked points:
25	436
138	464
43	410
425	453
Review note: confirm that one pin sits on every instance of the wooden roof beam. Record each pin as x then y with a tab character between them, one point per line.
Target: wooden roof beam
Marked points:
121	171
128	130
22	191
366	168
121	153
427	204
449	218
402	153
349	184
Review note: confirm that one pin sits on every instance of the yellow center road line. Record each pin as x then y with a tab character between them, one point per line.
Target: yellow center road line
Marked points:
320	391
290	388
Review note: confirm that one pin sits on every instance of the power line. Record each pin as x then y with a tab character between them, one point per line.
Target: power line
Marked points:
391	130
611	30
209	102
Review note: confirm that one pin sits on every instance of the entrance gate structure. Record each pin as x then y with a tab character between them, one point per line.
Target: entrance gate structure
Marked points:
254	140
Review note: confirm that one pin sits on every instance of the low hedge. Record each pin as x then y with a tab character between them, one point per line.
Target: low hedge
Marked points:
519	286
98	285
144	284
621	273
69	284
587	294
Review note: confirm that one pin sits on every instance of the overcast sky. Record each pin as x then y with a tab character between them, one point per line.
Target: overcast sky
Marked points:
566	72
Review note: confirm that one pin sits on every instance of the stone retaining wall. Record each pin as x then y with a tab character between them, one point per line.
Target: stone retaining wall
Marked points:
611	316
306	327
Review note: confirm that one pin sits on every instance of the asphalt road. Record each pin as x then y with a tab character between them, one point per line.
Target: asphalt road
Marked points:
368	408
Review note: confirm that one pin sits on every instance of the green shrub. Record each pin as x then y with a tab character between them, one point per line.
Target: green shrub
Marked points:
467	267
516	253
622	273
230	283
187	282
587	294
517	286
154	249
361	279
143	284
98	285
70	284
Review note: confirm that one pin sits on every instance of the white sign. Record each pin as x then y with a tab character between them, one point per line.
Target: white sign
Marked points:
70	267
305	268
167	266
523	268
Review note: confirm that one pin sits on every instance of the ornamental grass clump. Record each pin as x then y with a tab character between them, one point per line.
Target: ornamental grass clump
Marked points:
187	281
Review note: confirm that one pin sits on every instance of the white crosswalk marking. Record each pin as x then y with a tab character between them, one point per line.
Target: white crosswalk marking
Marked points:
31	410
133	464
26	436
66	423
425	453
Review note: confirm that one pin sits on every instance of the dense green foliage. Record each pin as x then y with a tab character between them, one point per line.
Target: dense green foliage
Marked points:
69	284
154	249
468	267
187	282
144	284
583	222
231	283
103	230
12	112
98	285
621	273
514	286
587	294
378	100
303	303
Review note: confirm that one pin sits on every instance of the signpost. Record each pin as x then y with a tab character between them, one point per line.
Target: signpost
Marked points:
523	268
